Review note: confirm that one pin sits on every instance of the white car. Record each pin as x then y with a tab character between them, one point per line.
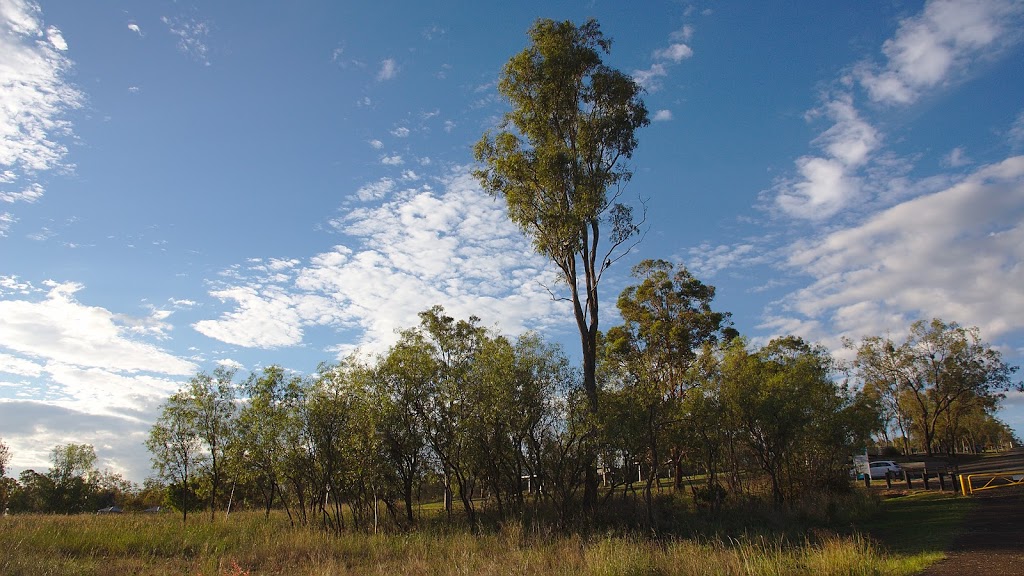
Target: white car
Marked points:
880	467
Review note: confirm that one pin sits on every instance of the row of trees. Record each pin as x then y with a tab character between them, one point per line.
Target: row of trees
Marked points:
73	484
457	412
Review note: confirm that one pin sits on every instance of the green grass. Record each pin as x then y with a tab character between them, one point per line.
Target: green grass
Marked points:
919	523
245	543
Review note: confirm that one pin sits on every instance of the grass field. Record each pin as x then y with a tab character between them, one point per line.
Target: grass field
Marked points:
913	531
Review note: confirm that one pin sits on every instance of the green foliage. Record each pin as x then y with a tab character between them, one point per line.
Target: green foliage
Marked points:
934	381
559	161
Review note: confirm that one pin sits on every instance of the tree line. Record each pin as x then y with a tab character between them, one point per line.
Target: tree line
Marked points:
500	429
497	429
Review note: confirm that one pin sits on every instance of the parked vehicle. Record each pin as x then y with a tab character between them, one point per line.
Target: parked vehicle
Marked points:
880	467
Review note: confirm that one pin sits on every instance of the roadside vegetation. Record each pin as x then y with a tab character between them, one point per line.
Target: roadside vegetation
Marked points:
740	541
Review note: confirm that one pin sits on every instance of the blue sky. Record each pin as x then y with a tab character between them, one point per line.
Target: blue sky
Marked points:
186	185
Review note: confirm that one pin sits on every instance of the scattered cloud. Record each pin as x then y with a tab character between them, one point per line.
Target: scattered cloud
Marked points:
30	194
135	28
674	53
706	260
956	158
1016	132
60	330
828	183
35	97
376	144
394	160
388	70
950	254
938	44
192	34
662	116
400	132
434	31
422	247
375	190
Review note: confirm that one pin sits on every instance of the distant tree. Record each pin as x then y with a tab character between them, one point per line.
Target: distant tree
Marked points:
559	161
794	418
71	473
177	450
937	368
34	493
6	484
5	457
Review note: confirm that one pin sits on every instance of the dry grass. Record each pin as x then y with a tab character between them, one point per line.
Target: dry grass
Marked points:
246	544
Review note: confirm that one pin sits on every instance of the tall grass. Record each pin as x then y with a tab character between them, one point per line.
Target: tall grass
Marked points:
247	544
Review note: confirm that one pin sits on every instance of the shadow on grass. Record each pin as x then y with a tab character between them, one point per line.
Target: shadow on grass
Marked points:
918	523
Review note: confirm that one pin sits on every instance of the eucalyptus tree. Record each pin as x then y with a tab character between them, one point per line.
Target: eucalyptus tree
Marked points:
265	428
447	410
775	396
667	322
937	367
213	413
404	375
559	161
6	484
74	466
5	457
176	448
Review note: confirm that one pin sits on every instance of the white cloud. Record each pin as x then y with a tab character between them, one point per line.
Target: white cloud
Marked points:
1016	132
192	36
376	144
395	160
956	158
648	78
60	330
30	194
675	53
944	40
263	318
19	366
6	221
953	254
56	38
135	28
662	116
685	34
829	183
400	132
79	373
707	260
231	364
456	248
388	70
35	96
375	190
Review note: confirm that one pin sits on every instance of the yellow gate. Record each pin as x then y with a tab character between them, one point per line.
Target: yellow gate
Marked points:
990	481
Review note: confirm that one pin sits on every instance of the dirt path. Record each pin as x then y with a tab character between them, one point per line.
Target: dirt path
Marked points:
993	540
